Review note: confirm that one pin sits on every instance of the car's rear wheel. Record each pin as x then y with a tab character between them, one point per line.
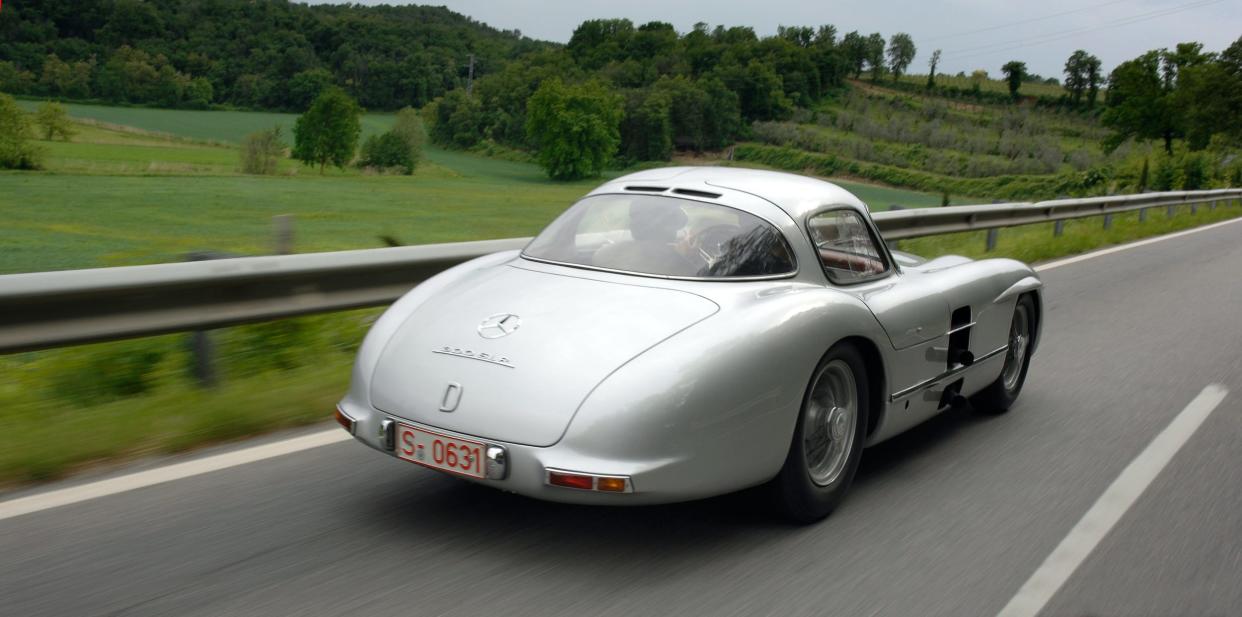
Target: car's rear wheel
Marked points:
828	439
1001	394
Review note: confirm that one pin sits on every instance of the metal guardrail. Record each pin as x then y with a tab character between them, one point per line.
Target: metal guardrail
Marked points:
914	223
52	309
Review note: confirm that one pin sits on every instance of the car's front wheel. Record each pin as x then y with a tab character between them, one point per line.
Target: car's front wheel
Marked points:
828	440
1000	395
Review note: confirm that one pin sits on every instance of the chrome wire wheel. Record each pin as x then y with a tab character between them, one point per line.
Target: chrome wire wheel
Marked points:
829	422
1019	342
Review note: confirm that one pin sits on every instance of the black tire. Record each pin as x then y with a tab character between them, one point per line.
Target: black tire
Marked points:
1000	395
797	494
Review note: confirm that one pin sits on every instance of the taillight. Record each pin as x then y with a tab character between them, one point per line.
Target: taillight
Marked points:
589	482
571	480
345	421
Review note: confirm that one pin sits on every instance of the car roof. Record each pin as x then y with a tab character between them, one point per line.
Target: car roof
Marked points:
796	195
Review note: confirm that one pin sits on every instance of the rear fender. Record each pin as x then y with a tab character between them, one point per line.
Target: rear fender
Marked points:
715	406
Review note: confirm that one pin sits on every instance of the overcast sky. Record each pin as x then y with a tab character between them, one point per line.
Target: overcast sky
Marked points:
973	33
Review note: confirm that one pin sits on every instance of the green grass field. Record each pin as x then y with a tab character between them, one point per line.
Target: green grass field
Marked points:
998	86
217	126
116	196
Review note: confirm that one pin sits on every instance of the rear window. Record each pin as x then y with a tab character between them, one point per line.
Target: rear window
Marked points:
663	236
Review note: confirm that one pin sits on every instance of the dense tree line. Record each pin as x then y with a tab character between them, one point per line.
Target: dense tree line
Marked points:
267	54
696	90
1174	94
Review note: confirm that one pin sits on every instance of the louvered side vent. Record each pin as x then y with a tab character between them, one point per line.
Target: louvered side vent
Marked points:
647	189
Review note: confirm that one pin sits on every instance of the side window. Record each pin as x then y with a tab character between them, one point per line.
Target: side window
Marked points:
845	246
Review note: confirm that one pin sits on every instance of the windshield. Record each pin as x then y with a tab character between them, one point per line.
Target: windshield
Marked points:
663	236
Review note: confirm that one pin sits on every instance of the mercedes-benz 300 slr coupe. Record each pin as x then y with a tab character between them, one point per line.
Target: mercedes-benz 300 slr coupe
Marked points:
685	332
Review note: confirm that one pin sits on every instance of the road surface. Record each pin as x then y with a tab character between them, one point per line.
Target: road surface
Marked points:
951	519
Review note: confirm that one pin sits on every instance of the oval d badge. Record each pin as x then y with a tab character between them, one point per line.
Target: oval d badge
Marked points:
452	396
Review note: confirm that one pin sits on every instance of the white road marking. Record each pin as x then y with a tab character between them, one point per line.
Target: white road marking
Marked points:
1111	505
168	473
178	471
1125	247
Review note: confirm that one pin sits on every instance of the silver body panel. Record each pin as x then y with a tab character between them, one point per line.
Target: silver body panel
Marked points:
690	388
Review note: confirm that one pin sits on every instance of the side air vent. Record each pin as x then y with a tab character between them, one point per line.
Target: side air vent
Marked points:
647	189
694	193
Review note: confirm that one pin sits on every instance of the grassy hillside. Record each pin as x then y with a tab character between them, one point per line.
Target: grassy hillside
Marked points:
115	196
924	142
996	86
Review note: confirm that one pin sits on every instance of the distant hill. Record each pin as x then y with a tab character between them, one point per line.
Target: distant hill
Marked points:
266	54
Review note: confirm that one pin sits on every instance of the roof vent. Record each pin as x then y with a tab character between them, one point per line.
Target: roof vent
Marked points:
694	193
648	189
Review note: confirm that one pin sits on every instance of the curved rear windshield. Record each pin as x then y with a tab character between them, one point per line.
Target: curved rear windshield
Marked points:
663	236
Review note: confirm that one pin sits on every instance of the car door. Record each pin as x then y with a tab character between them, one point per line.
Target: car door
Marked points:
909	306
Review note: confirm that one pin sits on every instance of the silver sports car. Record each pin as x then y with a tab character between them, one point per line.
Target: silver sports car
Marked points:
686	332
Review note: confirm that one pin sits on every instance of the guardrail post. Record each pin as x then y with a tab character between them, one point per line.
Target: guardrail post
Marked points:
1058	228
991	242
1212	205
202	346
1194	208
1108	221
1142	215
282	234
894	245
1172	210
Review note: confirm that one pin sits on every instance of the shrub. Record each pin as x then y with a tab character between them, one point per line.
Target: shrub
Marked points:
1194	172
261	152
410	127
387	151
16	151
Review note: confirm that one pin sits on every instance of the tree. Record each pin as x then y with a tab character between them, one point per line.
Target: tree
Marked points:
1093	80
1140	102
1015	73
875	55
900	53
1076	75
261	151
64	79
854	46
53	120
328	131
15	80
456	120
931	65
646	131
575	127
16	151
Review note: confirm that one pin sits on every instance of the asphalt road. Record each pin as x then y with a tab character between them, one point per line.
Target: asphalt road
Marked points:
950	519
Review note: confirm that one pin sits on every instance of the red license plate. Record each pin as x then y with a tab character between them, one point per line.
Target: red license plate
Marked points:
460	456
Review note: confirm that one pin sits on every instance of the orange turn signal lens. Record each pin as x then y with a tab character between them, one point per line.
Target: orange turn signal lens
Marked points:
591	482
612	485
344	420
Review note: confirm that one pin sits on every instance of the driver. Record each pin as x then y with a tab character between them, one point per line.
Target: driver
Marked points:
654	226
